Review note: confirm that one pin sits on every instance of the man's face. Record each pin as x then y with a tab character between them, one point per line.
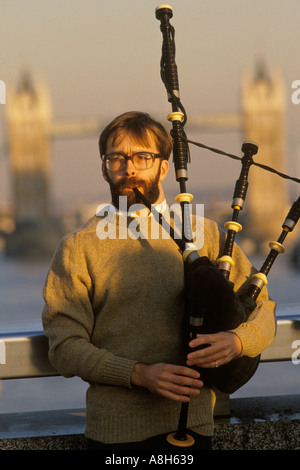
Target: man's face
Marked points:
147	181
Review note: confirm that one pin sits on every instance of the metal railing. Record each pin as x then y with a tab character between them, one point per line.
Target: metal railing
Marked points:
25	354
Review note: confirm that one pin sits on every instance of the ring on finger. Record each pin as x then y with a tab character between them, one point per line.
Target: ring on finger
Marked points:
216	364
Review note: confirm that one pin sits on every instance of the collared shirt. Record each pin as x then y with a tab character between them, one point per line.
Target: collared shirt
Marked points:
161	207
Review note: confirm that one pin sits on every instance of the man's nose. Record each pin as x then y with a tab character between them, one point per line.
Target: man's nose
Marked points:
129	168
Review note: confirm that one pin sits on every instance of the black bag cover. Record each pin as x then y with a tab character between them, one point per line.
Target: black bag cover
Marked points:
210	297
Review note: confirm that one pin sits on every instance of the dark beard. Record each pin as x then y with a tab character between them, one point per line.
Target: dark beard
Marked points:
124	188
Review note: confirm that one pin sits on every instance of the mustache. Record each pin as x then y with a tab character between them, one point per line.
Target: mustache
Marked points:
117	189
129	183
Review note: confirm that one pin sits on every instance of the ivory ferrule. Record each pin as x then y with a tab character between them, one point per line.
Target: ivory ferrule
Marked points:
184	197
175	116
277	247
231	225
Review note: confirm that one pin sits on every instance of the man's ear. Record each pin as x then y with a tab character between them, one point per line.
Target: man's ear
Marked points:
104	174
164	169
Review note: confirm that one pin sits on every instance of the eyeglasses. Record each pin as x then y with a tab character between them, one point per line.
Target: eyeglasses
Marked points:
140	160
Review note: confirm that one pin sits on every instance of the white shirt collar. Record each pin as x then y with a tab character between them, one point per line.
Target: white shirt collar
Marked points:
161	207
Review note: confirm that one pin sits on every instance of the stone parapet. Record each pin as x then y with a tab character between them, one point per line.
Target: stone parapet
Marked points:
263	423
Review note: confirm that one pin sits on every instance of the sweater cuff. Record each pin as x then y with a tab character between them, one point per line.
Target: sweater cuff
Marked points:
117	371
250	347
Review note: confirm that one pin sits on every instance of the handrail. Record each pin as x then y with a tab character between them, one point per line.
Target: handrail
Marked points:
25	354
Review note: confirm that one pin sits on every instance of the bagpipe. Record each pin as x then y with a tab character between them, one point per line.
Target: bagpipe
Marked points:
211	304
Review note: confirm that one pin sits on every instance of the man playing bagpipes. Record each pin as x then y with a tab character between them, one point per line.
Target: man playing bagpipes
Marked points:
115	304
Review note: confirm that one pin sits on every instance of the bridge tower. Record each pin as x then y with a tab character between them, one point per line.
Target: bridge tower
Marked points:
263	108
28	120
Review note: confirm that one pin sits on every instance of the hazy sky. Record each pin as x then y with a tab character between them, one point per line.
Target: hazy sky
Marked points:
101	58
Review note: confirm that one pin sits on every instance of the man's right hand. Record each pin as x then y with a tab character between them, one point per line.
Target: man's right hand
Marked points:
170	381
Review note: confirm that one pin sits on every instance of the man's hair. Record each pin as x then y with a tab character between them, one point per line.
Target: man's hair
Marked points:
138	126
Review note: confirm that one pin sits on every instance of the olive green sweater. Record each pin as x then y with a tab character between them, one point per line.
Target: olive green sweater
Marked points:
112	302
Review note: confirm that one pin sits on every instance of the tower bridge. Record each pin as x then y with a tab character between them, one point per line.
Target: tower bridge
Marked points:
31	129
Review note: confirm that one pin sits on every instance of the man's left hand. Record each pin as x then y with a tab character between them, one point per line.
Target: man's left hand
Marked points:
222	348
